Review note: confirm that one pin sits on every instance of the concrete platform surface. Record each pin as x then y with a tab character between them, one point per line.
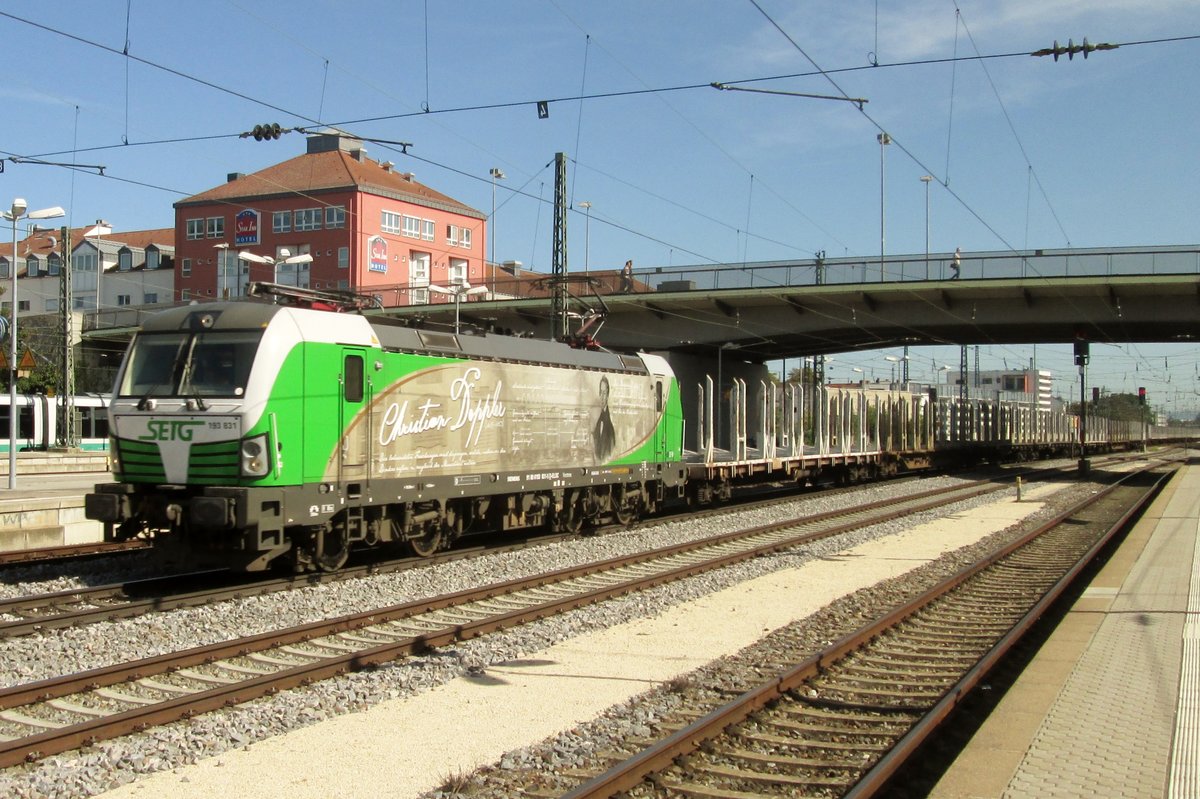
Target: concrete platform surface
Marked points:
1109	706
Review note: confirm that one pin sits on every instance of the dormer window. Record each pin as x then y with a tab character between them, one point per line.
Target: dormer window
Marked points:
153	257
32	266
54	264
124	260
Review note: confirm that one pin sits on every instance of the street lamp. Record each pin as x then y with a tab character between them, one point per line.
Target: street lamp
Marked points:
17	211
496	175
459	291
222	252
100	229
884	141
587	233
926	179
285	257
893	360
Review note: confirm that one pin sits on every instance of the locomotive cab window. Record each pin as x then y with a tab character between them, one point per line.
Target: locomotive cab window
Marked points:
205	364
354	378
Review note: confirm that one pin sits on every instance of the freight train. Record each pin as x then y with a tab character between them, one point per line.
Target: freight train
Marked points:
261	434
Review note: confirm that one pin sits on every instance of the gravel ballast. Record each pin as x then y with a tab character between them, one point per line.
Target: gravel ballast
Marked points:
112	763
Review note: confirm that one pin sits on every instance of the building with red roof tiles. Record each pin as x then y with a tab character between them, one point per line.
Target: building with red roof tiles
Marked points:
329	219
139	269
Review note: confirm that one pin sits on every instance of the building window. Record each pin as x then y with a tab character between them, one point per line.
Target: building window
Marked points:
153	259
79	303
151	298
419	296
281	222
428	229
51	305
307	219
390	223
412	227
54	263
31	266
185	268
123	299
458	272
418	268
124	261
458	236
22	305
185	295
335	216
4	268
343	257
195	229
216	227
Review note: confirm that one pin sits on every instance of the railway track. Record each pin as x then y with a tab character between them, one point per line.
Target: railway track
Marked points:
94	604
63	713
841	722
72	551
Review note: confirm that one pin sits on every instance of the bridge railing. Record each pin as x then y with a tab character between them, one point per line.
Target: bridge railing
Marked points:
938	266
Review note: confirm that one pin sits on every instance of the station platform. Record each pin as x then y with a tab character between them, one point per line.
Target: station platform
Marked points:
46	507
1110	705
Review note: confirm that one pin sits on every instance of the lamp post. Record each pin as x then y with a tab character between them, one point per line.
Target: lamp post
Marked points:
884	141
926	179
285	257
496	175
17	211
97	232
893	360
587	233
459	290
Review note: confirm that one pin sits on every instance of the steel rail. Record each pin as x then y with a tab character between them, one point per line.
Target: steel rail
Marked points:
630	773
132	598
74	735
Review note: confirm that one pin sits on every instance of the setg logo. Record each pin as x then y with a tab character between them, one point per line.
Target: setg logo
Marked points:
170	430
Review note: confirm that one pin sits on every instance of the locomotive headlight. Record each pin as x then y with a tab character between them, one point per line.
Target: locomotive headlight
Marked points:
255	461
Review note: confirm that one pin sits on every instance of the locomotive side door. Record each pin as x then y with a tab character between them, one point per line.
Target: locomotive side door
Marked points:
660	437
354	451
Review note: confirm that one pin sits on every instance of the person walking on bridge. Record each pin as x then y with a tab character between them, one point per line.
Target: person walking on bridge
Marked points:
956	264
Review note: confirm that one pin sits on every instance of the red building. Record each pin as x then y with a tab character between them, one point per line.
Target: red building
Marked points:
329	219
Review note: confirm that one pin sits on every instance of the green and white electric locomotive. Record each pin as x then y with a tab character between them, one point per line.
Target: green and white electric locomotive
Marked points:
258	432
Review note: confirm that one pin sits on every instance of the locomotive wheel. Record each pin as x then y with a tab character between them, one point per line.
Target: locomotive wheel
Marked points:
333	548
426	545
570	518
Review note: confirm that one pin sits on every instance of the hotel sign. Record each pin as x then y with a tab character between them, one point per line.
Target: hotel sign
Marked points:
377	249
246	227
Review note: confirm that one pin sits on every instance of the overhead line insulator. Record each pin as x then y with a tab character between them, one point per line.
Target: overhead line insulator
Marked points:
269	131
1071	49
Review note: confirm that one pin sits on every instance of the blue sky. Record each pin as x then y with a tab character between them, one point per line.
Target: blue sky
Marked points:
1026	152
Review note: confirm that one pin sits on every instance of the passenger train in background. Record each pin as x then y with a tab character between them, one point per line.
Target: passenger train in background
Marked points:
39	417
262	434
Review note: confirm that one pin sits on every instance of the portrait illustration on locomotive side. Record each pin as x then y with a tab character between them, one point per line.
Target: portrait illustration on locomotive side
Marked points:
482	416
